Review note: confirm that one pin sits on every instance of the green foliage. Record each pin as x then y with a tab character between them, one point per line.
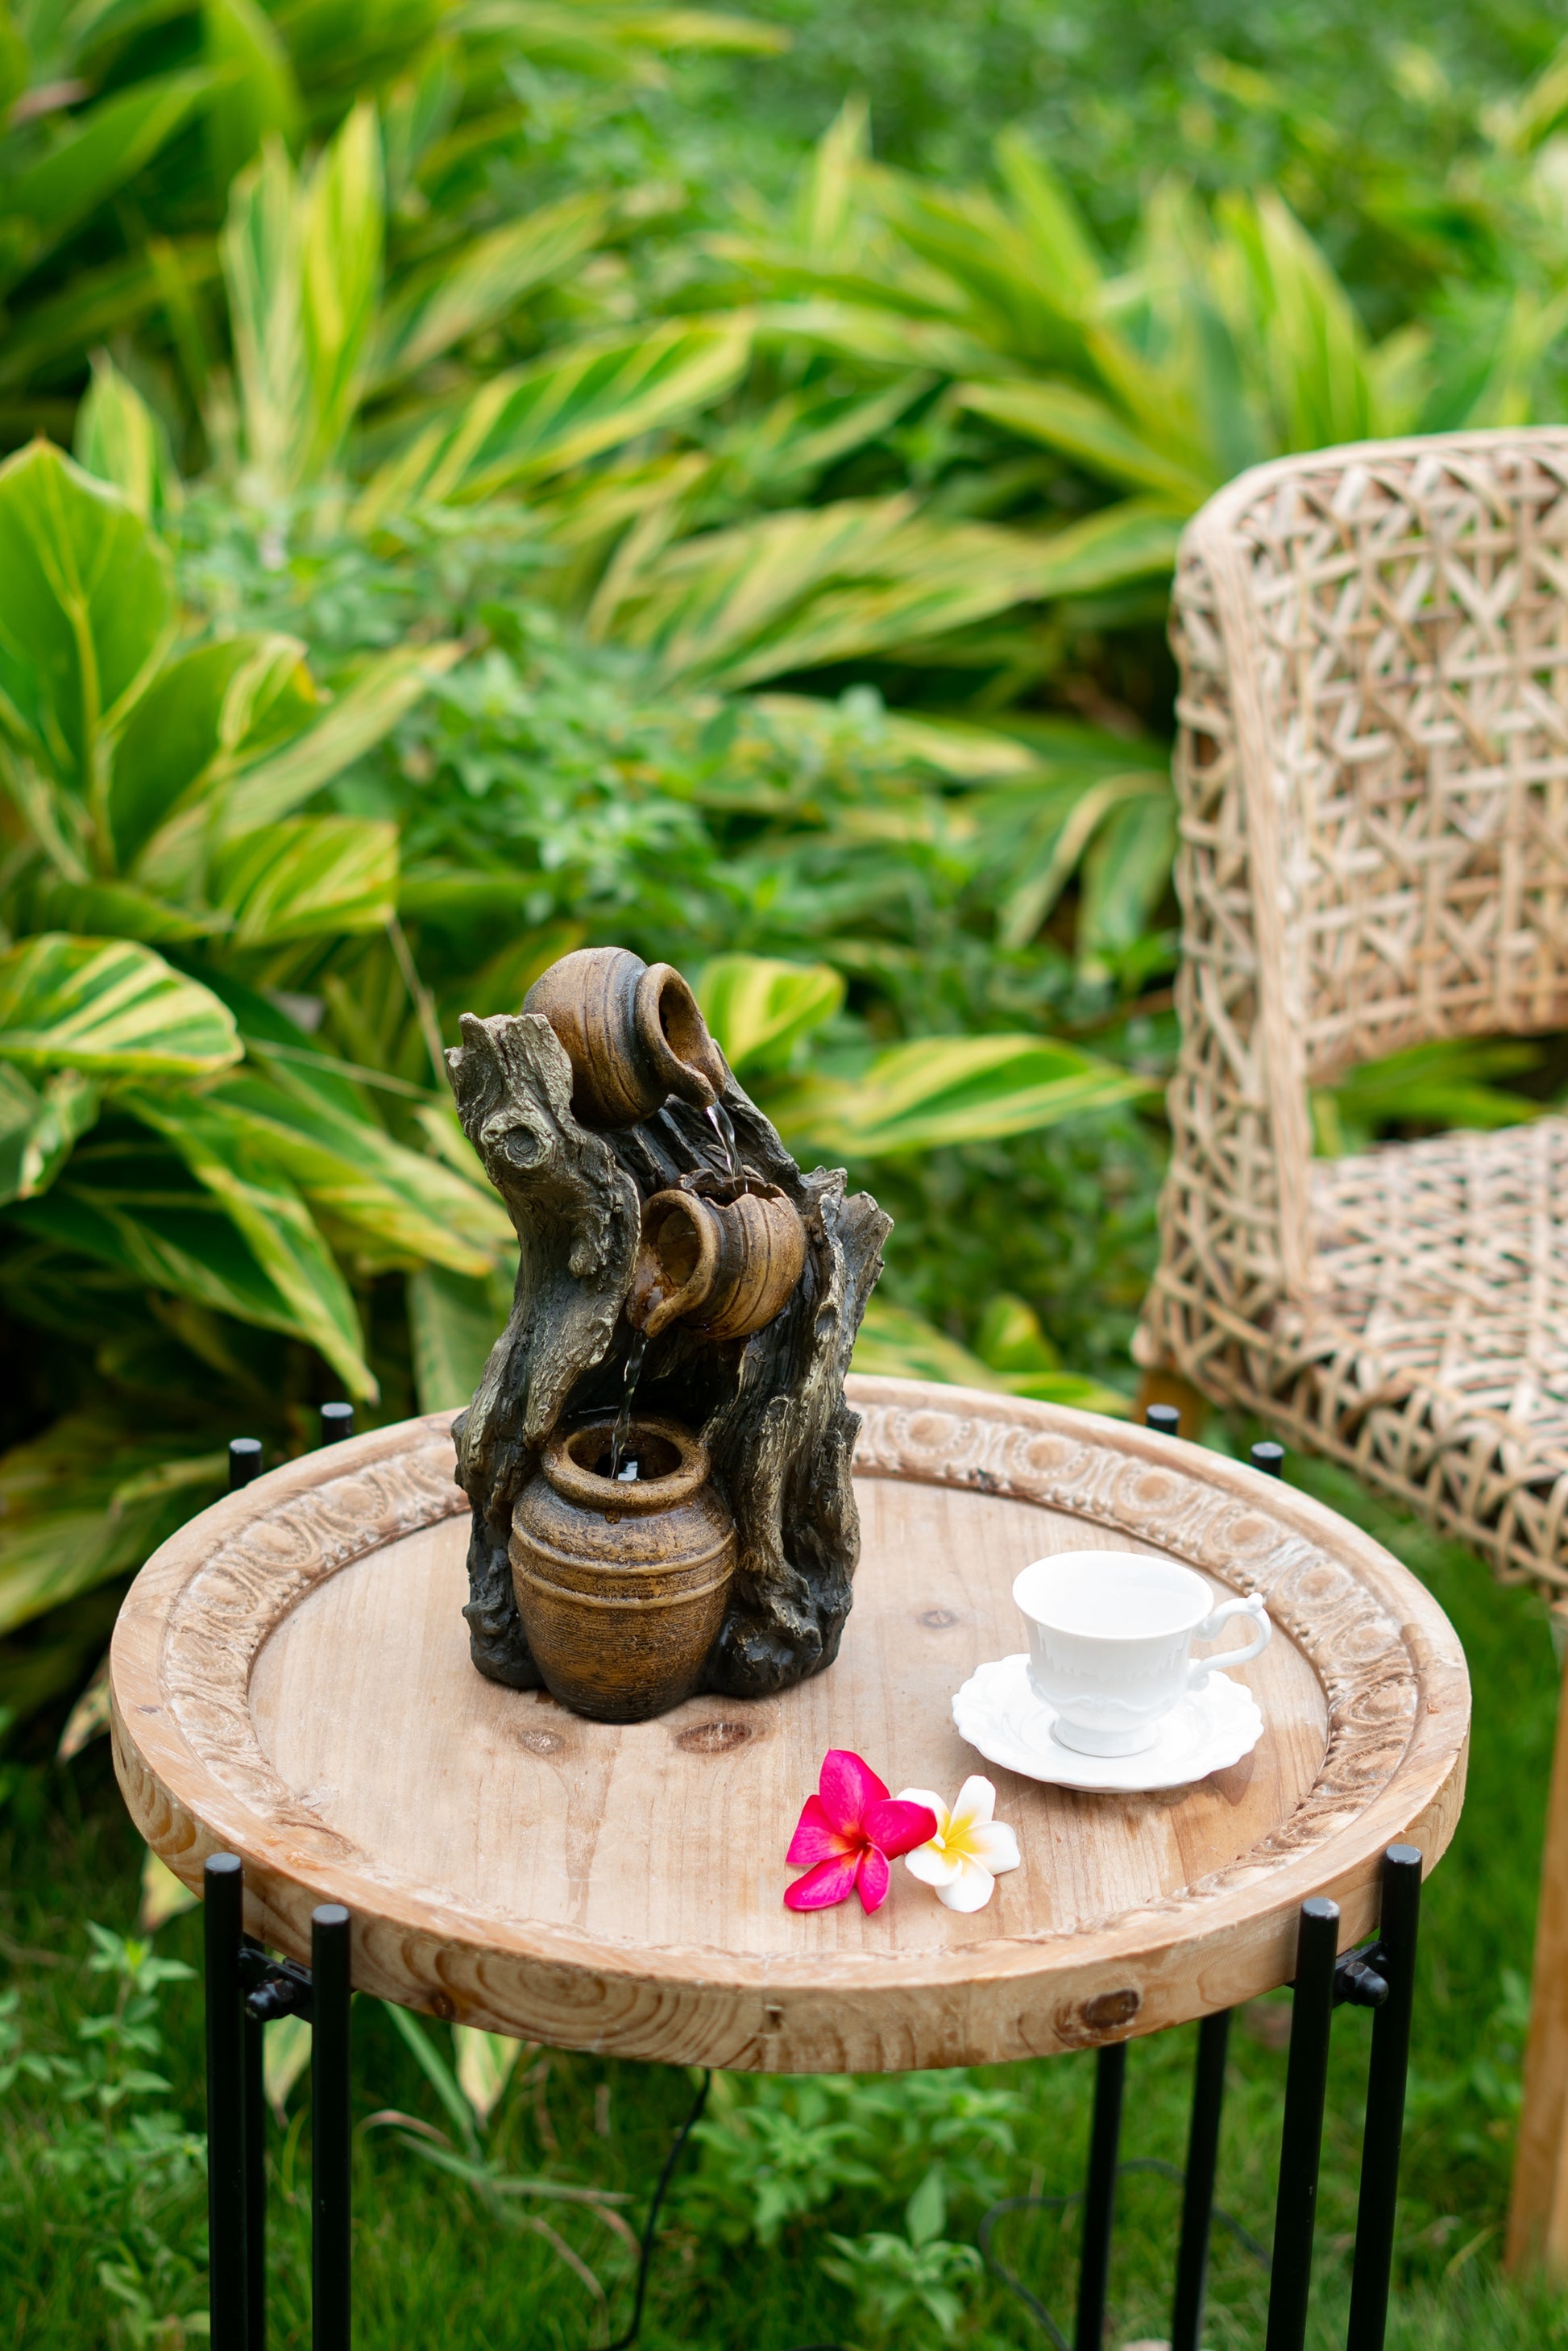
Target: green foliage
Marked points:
129	2166
899	2280
778	2149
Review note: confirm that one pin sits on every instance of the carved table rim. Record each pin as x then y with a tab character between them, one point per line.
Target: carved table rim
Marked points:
1394	1679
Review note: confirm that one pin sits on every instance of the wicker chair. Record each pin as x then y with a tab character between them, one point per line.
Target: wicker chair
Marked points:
1373	775
1372	779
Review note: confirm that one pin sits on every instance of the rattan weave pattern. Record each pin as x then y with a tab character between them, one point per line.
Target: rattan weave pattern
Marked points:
1372	769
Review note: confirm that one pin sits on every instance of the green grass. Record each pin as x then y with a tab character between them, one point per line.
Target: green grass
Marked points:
95	2253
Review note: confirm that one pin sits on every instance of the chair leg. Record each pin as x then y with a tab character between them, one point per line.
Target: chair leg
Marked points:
1537	2215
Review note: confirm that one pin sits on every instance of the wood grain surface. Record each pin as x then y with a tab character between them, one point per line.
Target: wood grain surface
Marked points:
291	1681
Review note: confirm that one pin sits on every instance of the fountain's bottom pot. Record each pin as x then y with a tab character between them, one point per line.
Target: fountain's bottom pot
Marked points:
621	1587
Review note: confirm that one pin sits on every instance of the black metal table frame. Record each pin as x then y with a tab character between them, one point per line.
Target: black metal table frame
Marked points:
247	1988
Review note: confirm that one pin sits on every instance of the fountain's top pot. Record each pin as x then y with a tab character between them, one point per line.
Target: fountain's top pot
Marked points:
634	1034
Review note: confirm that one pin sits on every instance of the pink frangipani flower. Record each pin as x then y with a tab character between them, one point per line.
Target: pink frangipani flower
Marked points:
847	1832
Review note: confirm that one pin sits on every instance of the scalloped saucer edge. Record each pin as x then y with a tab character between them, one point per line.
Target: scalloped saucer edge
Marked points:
998	1713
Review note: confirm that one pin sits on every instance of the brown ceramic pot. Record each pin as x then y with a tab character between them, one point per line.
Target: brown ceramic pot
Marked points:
621	1587
727	1266
634	1034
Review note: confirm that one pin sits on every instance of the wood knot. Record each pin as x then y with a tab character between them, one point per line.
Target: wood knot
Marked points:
442	2004
1109	2009
718	1736
938	1619
541	1742
1085	2027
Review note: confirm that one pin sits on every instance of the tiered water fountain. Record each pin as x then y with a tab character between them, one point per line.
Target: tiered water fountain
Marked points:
657	1456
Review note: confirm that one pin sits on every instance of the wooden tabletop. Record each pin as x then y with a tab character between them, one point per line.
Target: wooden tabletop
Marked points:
291	1682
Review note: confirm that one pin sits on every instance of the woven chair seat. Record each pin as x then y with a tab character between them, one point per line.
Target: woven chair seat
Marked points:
1372	773
1437	1344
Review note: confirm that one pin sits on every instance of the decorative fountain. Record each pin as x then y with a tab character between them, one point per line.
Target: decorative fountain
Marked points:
658	1455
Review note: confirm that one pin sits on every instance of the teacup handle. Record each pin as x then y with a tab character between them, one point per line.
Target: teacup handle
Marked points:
1200	1669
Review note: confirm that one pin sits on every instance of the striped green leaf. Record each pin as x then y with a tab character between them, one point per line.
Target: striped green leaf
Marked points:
895	1342
307	875
110	1009
799	590
301	259
38	1127
1082	425
353	724
268	1215
85	611
129	1203
453	1323
760	1008
91	1498
119	439
536	420
936	1091
397	1204
461	294
257	93
204	715
101	150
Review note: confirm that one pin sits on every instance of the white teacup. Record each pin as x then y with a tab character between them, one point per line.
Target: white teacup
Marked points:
1110	1639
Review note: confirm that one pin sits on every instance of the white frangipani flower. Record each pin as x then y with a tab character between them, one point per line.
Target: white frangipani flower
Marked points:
970	1851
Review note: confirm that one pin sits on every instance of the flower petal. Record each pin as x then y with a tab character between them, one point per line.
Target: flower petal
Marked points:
971	1890
975	1801
931	1865
928	1797
829	1881
815	1838
848	1787
895	1826
994	1845
872	1879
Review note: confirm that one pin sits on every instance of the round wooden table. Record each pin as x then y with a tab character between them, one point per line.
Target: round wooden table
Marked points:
291	1684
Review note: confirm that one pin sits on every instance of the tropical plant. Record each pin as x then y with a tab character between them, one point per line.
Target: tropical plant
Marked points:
168	1128
126	121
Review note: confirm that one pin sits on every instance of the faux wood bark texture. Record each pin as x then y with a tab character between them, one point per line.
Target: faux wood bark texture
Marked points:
290	1681
769	1408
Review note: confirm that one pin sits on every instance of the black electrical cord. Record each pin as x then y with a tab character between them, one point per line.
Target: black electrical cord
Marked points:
1031	2303
645	2255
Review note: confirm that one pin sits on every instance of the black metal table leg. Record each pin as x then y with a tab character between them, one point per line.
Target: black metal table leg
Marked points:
1395	1962
255	2184
228	2294
1099	2197
331	2140
1198	2187
1301	2142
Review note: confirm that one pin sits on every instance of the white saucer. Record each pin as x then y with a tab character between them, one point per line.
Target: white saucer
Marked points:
997	1712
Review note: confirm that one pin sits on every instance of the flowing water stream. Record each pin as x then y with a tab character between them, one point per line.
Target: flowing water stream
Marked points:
619	1471
720	1120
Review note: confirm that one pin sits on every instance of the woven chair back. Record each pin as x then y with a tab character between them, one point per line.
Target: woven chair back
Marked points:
1373	769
